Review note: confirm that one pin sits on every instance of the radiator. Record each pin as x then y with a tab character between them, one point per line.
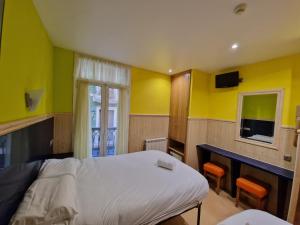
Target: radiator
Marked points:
156	144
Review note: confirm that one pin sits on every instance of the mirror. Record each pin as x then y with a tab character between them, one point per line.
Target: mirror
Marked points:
259	116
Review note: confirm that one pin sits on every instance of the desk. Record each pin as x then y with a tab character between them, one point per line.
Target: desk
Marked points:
284	175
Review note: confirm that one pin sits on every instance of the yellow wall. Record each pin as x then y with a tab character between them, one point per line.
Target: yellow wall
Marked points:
150	92
272	74
295	95
63	80
199	95
26	61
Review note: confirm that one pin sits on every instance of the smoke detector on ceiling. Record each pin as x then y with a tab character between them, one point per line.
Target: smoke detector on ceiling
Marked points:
240	9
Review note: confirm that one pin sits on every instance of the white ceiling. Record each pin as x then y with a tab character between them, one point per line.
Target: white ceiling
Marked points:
177	34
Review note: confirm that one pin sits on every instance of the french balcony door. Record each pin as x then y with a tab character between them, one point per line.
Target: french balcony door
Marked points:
104	111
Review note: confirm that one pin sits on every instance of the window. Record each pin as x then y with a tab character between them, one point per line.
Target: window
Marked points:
104	104
101	107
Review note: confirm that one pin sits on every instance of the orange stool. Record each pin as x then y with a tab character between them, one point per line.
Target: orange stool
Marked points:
258	191
217	172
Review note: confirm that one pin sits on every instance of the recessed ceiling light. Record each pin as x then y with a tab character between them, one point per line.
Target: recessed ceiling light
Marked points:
234	46
170	70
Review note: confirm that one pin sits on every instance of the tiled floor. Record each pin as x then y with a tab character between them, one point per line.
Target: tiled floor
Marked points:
215	208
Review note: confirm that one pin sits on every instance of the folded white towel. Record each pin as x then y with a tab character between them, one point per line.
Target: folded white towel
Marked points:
164	164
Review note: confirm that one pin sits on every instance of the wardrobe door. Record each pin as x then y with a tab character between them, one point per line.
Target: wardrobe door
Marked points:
179	108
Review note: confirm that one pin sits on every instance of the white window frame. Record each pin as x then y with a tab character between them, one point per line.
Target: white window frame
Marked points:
104	114
278	118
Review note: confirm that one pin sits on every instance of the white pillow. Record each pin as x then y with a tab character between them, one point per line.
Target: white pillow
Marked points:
58	167
48	201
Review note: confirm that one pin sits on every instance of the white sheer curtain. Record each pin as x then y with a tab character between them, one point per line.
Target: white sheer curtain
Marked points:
123	122
102	71
89	70
82	126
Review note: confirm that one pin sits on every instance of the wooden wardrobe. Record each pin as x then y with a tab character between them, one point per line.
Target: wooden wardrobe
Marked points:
179	111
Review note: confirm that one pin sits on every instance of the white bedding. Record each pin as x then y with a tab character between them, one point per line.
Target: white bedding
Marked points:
253	217
131	189
126	189
52	198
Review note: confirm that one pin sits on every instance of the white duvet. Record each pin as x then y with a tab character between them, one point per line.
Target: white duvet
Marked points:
253	217
130	189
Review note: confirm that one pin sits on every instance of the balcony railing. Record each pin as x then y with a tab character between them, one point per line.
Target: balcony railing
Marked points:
111	141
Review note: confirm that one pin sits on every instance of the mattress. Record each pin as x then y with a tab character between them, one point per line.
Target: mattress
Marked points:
253	217
132	189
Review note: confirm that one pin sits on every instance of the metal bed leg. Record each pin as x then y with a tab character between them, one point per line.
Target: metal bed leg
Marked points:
198	214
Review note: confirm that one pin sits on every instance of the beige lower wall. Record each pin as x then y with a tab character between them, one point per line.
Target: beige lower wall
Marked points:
142	127
218	133
222	134
196	134
62	133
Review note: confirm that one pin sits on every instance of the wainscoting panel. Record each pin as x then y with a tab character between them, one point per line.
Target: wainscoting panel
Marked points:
222	134
62	133
196	134
142	127
286	145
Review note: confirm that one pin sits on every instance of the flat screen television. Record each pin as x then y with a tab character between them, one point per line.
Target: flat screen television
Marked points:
227	80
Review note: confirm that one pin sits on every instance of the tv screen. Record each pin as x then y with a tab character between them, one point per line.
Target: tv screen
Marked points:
1	18
227	80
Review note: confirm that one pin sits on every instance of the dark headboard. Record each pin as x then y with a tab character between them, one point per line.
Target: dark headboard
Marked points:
22	153
27	144
14	182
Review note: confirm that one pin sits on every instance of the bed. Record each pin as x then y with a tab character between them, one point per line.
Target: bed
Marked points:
119	190
253	217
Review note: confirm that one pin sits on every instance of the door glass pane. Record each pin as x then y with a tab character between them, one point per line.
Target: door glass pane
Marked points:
95	113
113	107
